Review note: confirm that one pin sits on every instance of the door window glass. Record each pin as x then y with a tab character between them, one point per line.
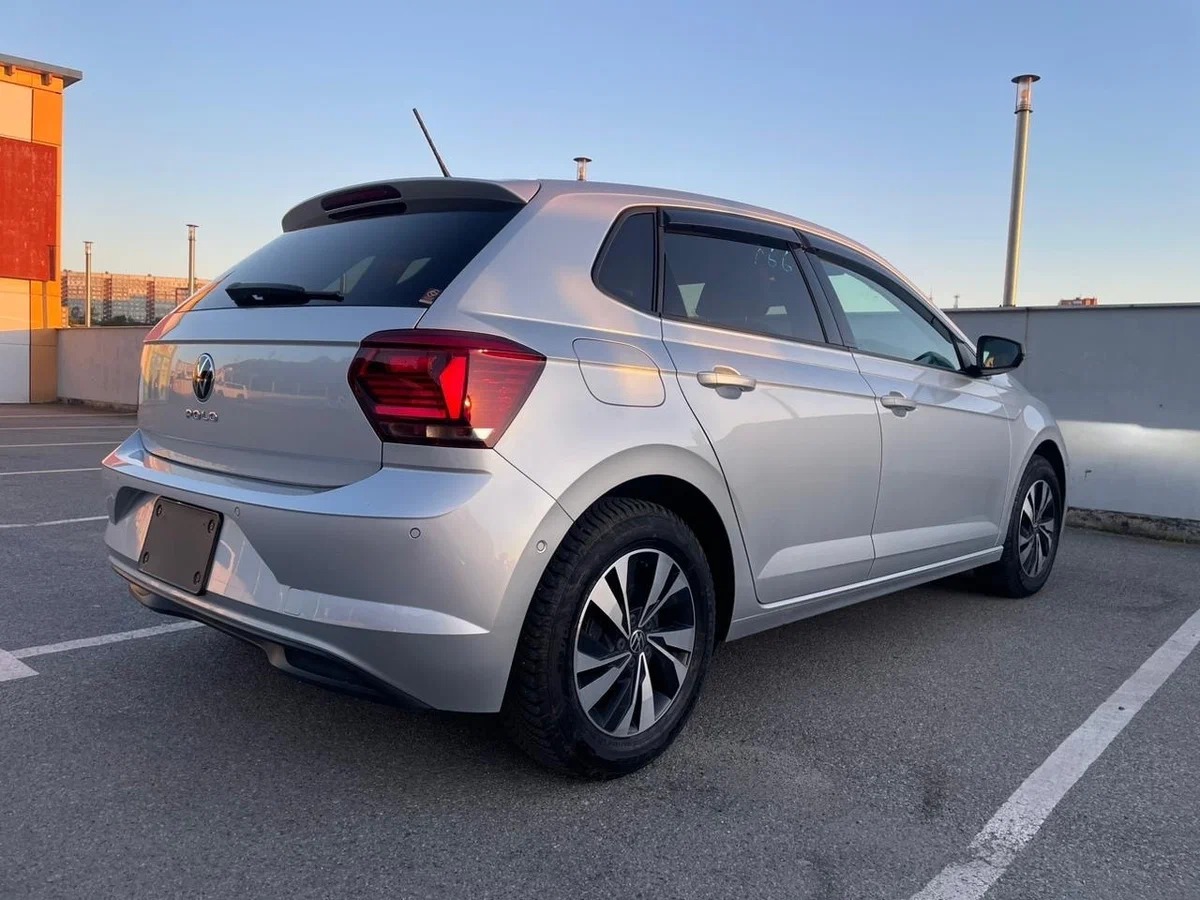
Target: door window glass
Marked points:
883	322
739	285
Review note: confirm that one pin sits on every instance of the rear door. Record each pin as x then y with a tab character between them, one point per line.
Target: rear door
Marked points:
252	381
792	421
945	435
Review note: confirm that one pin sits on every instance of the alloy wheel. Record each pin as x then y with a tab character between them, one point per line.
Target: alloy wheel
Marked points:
1038	529
634	642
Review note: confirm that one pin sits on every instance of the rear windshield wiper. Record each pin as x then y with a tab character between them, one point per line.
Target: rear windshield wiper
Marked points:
265	293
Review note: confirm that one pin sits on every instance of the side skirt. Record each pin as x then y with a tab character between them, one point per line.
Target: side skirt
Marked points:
785	611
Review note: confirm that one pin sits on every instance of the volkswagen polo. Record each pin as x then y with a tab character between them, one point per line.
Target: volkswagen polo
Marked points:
536	448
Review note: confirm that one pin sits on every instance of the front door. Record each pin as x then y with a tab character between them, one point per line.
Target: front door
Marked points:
792	421
946	435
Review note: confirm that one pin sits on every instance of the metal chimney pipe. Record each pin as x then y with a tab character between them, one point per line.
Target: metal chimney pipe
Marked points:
192	259
1016	207
87	284
581	164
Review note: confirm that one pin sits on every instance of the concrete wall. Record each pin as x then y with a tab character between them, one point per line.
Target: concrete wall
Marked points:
1124	383
100	365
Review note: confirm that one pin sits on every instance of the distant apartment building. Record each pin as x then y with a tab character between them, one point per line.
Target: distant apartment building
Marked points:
129	298
1079	301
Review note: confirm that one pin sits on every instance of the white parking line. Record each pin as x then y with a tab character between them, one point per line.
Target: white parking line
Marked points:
48	471
1017	822
71	415
59	427
54	522
116	638
71	444
11	667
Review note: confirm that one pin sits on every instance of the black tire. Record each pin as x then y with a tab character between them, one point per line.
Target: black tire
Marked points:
1009	576
543	711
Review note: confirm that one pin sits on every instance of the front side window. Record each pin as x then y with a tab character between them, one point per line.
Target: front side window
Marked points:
882	322
738	285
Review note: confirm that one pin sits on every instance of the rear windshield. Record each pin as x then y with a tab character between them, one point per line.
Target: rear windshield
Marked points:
397	260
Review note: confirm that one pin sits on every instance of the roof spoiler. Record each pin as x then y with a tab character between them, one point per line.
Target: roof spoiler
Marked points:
405	195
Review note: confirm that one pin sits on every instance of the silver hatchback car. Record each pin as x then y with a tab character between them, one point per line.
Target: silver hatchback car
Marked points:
537	447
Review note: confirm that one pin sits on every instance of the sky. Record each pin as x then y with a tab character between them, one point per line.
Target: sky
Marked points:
891	122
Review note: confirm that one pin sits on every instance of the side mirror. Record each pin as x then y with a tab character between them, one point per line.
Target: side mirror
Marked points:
997	354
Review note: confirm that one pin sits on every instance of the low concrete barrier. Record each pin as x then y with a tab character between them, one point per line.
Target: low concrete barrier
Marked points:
1122	381
100	365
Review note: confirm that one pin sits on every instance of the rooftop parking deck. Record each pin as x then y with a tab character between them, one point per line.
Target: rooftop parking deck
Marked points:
856	754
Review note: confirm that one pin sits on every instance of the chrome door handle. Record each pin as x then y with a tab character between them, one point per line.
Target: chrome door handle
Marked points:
897	403
726	377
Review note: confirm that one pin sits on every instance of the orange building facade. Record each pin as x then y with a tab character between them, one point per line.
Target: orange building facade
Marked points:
31	131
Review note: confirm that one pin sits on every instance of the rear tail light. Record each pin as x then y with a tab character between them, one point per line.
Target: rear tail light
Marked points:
449	388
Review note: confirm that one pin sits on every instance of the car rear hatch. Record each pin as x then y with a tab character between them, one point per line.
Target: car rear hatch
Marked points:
249	377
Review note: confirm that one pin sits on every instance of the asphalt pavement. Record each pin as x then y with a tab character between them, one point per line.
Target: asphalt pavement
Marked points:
852	755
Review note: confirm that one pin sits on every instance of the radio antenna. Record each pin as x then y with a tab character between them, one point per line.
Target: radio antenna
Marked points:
432	146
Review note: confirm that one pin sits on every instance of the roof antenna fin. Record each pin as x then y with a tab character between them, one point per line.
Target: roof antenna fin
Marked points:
432	146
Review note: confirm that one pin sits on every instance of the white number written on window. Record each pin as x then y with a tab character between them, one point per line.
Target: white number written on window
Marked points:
774	258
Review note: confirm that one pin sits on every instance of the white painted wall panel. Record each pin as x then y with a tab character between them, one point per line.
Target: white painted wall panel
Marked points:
1124	383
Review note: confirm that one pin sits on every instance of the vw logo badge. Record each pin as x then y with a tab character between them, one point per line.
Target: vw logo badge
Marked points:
203	377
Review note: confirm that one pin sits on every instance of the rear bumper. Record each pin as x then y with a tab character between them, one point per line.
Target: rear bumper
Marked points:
412	582
296	659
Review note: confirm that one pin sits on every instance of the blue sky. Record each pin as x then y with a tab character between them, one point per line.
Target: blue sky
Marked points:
889	121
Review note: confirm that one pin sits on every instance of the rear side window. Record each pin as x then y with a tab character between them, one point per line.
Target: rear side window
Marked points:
626	268
398	260
739	285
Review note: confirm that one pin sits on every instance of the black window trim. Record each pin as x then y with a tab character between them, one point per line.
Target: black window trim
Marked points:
689	220
829	313
606	245
746	230
845	256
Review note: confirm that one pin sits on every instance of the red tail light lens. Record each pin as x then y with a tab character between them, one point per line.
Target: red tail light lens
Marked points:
449	388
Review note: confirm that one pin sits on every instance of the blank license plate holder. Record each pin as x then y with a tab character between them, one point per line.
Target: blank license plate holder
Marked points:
180	544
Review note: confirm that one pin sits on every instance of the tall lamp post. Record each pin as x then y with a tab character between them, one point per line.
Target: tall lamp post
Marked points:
87	284
1016	209
192	259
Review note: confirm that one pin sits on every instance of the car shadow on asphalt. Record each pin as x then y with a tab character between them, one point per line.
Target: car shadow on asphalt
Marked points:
802	687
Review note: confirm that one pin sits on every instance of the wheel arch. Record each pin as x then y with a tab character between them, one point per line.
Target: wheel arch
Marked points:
693	488
691	505
1049	449
1047	442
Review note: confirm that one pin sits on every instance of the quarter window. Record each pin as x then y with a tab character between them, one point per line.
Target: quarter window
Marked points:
626	269
739	285
883	322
